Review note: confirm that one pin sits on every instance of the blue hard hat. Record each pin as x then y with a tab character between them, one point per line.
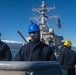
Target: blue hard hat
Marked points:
33	27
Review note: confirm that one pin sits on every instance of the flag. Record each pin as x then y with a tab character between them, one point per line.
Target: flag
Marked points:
59	24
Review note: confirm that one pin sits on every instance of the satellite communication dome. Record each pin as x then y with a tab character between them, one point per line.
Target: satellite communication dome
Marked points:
51	30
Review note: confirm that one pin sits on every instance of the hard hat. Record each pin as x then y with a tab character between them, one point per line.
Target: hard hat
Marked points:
33	27
67	43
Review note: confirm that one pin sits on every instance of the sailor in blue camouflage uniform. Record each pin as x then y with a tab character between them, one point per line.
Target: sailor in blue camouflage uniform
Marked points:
5	52
35	50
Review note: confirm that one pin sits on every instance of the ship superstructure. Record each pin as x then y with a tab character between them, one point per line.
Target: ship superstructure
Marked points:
47	35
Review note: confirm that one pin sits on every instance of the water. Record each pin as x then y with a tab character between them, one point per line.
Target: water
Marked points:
14	52
74	50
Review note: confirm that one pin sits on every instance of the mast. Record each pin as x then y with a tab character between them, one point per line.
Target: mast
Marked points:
42	19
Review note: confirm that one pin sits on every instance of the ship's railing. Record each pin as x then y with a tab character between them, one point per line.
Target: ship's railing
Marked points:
30	68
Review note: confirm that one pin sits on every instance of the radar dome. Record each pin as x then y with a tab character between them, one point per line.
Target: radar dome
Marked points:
51	30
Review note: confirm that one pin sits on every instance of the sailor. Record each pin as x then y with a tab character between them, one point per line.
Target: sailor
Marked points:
35	50
67	58
5	52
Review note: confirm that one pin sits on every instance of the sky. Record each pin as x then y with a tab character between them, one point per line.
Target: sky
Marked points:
15	14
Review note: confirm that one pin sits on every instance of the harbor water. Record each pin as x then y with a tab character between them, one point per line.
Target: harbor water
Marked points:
14	52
